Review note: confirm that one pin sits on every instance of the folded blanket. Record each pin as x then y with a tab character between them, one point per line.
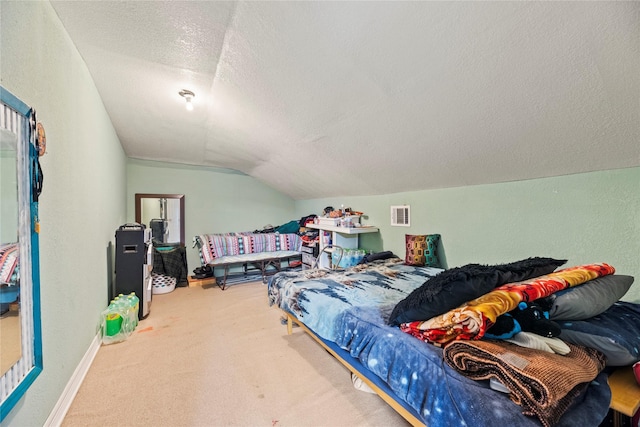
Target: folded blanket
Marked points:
471	320
543	384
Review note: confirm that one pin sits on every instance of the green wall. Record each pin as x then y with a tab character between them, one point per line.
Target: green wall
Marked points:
89	187
584	218
84	192
216	200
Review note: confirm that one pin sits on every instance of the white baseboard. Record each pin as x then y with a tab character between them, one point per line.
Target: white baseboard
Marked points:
69	393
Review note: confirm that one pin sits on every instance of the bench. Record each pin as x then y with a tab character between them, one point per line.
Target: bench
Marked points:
261	252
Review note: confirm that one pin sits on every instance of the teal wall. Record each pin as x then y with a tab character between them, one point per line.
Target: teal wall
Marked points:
216	200
84	193
584	218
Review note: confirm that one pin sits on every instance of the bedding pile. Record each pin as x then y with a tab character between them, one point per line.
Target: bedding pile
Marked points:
588	292
472	319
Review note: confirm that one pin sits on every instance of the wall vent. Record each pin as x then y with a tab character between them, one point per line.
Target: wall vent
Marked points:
401	216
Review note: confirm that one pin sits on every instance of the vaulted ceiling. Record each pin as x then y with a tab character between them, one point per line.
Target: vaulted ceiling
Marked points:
332	98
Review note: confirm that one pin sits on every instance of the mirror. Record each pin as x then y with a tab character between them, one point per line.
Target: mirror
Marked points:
164	215
10	334
20	185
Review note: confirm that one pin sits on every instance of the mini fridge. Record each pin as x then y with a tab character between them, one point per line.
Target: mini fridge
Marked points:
134	262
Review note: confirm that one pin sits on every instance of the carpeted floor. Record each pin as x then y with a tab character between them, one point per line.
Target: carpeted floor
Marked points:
206	357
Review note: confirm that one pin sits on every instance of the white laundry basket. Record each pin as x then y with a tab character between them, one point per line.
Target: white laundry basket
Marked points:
162	284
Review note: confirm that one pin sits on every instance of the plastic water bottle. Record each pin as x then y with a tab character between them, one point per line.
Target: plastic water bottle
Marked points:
134	305
351	259
121	306
113	320
114	306
343	259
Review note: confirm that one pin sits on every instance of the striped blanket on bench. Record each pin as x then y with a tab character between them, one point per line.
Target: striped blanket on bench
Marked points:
262	250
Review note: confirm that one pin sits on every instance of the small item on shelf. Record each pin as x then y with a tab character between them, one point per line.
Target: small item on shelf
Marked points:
350	221
329	221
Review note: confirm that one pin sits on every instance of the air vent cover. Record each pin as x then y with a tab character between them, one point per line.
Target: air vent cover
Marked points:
400	216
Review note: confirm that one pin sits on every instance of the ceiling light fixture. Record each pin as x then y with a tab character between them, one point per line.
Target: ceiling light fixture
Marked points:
187	95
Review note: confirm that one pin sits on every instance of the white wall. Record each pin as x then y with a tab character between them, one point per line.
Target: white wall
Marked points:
584	218
84	194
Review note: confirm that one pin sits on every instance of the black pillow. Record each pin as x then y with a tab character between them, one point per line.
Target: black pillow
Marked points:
454	287
376	256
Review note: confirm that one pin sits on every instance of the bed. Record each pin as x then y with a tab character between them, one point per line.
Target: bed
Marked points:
263	252
348	312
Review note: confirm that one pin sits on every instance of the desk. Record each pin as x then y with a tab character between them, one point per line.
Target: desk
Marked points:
345	237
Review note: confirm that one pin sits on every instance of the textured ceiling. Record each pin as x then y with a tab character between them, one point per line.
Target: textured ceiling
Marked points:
320	99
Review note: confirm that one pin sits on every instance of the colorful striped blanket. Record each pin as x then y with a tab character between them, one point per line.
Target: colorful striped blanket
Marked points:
471	320
215	246
9	263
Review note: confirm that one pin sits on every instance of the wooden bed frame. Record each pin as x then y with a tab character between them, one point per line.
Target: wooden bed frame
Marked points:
625	394
343	357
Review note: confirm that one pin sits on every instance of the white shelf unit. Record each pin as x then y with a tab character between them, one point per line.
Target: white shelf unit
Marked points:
345	237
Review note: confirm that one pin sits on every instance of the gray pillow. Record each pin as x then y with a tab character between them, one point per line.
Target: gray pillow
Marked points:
588	299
